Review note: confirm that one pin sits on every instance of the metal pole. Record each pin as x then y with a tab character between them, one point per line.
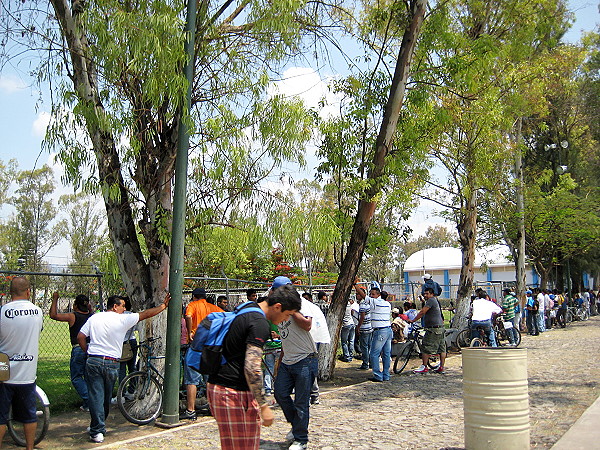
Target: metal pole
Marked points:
170	415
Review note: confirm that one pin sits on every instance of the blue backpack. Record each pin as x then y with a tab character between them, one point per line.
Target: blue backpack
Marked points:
205	354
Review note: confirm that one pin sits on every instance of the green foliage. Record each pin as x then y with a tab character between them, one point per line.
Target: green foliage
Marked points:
84	230
560	224
303	228
346	149
28	235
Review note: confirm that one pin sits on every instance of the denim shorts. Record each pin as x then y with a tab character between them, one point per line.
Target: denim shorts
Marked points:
23	399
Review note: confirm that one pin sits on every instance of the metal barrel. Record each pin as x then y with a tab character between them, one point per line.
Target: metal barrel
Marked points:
496	398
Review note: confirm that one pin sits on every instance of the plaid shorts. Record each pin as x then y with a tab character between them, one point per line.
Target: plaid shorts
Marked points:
237	416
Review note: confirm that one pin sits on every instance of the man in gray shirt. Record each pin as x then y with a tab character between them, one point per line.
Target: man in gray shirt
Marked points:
297	372
434	342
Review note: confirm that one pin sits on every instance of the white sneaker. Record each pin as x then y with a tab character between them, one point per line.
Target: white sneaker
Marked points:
98	438
298	446
289	437
113	401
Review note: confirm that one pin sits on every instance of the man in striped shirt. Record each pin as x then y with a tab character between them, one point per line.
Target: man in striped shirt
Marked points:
365	331
381	344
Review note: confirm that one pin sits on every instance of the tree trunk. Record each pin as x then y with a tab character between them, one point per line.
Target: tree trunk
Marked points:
366	206
145	282
467	233
520	250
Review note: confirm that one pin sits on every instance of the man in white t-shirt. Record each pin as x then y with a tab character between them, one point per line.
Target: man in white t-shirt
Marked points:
20	326
482	311
106	331
541	312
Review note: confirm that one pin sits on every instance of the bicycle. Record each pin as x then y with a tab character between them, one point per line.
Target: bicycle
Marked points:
412	348
463	338
140	394
502	334
42	411
482	340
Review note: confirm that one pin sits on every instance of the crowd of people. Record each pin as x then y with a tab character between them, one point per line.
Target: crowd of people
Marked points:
282	333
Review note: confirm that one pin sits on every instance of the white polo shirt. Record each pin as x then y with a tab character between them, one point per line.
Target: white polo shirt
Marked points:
106	331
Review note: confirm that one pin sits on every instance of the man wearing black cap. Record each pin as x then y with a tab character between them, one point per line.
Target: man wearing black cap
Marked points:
195	313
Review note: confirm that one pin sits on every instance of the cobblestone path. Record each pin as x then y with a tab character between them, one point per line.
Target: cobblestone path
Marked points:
415	411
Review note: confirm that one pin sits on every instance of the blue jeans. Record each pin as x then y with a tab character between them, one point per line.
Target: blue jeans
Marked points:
541	319
77	370
270	358
487	327
101	375
347	337
365	339
297	378
511	333
532	322
381	346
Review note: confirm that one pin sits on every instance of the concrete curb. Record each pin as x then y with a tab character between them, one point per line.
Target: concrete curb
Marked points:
585	433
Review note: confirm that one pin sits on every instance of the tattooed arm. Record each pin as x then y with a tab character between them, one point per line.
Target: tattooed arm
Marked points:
254	378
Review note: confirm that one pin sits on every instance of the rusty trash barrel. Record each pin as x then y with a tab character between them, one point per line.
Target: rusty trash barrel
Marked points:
496	398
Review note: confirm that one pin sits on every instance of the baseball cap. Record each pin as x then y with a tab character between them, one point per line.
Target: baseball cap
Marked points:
528	291
280	281
427	276
199	293
396	311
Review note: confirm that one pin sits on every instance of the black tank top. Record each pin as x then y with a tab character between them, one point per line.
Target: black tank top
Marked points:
80	319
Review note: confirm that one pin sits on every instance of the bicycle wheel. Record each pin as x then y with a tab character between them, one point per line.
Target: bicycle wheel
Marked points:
463	338
569	316
477	342
15	429
140	398
433	362
402	358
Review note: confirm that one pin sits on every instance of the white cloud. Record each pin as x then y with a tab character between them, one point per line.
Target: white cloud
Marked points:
40	124
10	84
307	84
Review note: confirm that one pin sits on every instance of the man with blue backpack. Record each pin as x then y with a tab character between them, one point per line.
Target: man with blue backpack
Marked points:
233	362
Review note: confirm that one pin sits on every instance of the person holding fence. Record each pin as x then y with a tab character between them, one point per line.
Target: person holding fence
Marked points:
20	326
106	332
82	311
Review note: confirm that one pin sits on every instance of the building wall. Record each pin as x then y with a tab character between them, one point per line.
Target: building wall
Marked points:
451	276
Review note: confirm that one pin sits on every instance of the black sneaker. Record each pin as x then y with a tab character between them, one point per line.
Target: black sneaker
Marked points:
314	400
188	415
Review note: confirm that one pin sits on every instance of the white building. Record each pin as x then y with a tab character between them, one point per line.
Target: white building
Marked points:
444	264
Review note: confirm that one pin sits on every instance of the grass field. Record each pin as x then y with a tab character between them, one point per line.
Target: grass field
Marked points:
53	366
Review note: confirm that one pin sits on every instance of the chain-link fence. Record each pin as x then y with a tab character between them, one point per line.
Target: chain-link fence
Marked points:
55	345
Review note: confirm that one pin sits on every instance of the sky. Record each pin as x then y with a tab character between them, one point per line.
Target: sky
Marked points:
23	119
